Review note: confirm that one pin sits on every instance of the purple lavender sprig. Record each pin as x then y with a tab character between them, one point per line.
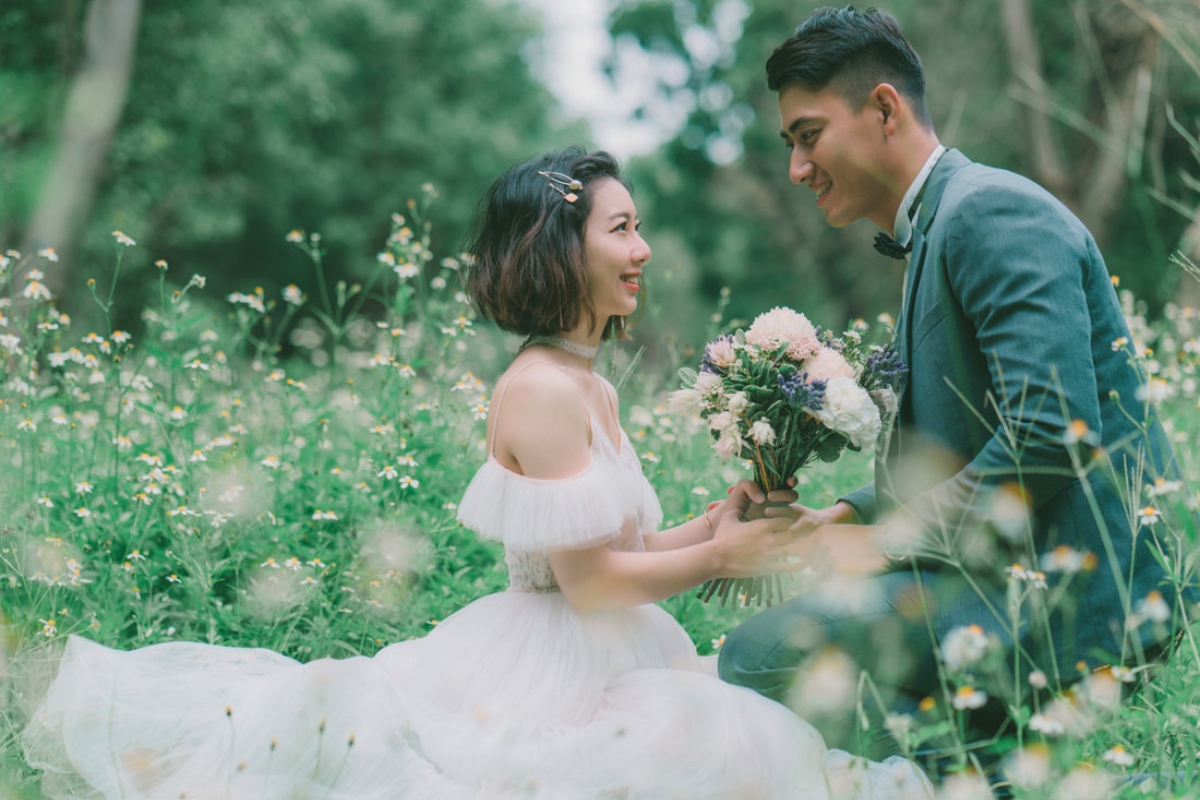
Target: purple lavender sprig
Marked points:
884	367
799	392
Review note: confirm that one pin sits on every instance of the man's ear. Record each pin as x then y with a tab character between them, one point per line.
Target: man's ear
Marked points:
886	101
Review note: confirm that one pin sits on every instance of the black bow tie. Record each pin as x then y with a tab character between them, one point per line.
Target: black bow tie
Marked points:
890	247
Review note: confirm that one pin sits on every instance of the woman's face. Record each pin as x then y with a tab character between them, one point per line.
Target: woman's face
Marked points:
614	250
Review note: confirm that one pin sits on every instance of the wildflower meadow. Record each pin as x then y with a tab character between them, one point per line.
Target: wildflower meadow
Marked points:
283	472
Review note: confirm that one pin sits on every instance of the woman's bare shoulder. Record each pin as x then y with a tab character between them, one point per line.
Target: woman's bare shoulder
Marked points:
542	424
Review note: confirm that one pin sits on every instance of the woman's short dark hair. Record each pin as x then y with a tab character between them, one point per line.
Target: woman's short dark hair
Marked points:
851	52
526	270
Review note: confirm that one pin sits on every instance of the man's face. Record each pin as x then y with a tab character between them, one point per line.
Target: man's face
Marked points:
839	152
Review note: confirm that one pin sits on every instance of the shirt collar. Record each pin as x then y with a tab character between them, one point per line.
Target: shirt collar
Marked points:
902	230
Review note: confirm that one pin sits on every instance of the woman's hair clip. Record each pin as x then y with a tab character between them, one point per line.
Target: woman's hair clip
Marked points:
558	181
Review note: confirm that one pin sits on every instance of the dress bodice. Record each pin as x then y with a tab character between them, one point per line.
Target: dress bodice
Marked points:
610	502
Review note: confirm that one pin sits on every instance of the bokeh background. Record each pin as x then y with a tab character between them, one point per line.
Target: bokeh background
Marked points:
208	129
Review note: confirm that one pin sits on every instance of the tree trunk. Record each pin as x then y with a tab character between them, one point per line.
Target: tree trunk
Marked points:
1110	136
94	104
1025	65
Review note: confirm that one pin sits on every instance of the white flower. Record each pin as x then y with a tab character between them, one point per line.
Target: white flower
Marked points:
1029	767
1163	486
826	684
1018	573
123	239
729	444
1154	608
1149	515
723	423
1153	391
899	726
1119	755
409	482
36	290
270	462
292	294
762	433
1037	679
721	353
407	270
48	254
686	402
1064	558
707	384
964	646
1009	508
968	697
388	473
965	786
738	403
849	410
1085	782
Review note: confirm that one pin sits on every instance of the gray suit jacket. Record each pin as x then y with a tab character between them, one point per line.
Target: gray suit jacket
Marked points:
1008	329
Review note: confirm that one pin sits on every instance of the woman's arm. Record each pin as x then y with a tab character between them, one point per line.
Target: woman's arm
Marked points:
746	499
603	578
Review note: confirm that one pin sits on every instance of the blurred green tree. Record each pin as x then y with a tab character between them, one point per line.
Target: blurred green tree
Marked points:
245	120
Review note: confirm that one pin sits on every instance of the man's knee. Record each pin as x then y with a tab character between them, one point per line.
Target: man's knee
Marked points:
763	653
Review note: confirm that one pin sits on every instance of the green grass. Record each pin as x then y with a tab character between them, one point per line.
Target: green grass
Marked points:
283	473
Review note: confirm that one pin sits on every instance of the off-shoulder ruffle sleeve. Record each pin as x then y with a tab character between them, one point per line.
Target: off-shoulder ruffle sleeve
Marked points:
582	511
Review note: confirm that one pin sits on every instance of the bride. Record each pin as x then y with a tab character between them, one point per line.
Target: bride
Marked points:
571	685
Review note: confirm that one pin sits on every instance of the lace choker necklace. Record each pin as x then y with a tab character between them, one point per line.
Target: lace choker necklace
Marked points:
564	344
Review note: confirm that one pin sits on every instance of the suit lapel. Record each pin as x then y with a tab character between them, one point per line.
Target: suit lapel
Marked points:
950	162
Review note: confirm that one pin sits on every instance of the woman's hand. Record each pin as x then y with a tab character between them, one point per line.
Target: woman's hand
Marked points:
746	548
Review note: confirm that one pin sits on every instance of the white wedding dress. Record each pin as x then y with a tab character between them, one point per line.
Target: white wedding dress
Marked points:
517	695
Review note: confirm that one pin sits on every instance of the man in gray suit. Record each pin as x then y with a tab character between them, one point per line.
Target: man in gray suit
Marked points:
1022	434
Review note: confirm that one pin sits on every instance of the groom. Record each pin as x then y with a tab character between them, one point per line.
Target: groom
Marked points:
1019	422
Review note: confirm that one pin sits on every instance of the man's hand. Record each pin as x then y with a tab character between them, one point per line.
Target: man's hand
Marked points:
841	550
809	519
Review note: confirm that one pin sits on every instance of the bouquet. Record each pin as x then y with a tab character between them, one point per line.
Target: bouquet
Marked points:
782	394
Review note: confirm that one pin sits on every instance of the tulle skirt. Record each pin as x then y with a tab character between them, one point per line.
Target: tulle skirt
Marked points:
515	696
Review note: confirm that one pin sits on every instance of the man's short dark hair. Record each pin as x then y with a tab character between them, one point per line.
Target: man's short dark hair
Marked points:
851	52
527	271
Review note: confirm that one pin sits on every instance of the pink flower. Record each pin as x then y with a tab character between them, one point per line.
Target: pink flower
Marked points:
783	325
721	353
826	365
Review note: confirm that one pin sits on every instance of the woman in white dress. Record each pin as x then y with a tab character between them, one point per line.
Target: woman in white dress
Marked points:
571	685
